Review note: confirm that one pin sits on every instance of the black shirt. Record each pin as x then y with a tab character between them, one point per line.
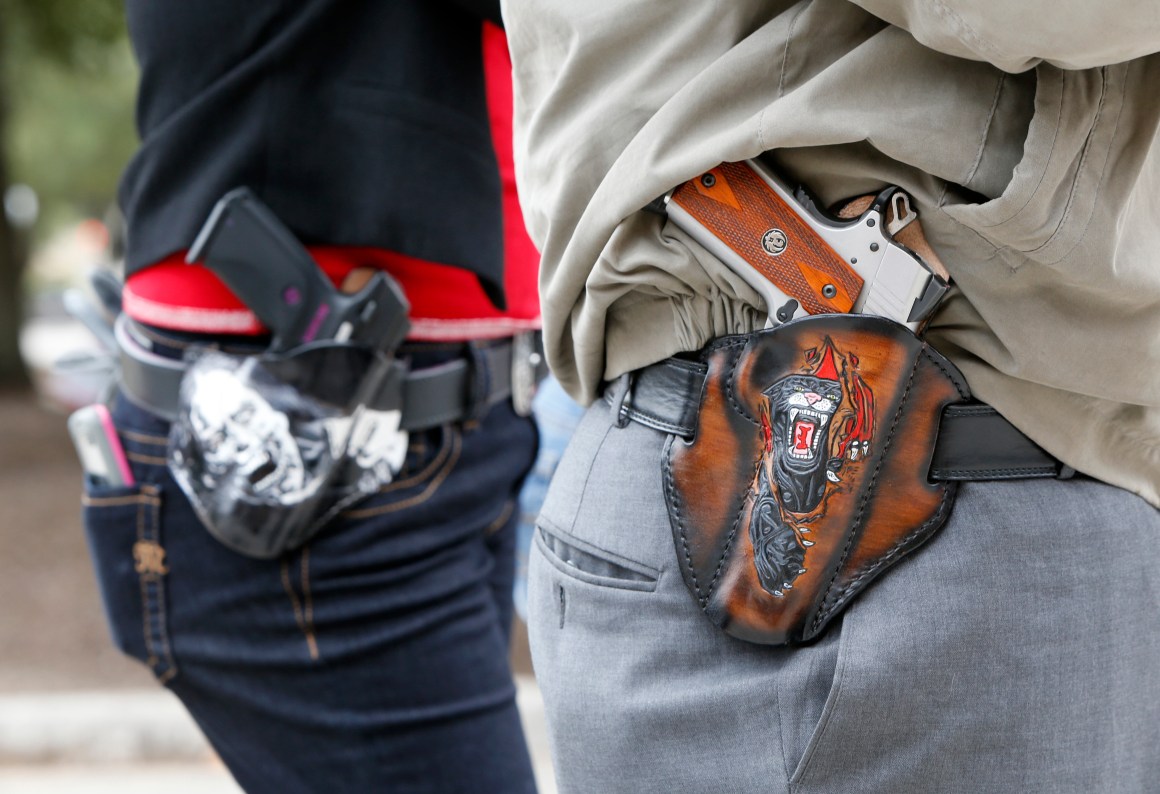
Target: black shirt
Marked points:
359	122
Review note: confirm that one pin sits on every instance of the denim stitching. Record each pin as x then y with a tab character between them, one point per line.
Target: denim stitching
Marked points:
308	597
153	460
502	519
162	607
113	501
420	498
299	617
160	654
444	450
144	438
151	658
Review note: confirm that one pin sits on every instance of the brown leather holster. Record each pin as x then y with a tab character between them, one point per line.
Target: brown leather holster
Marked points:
807	475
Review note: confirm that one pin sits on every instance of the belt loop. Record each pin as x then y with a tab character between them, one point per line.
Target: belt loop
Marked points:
478	383
527	370
622	397
1065	472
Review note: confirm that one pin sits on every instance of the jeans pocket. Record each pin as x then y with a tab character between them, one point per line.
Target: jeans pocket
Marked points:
431	458
123	529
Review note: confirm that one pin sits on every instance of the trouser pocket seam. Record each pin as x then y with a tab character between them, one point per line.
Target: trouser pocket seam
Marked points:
802	770
617	572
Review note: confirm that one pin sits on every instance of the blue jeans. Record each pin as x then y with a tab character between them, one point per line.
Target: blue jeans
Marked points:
373	658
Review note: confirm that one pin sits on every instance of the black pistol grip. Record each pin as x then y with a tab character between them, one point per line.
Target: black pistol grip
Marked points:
378	313
265	266
270	271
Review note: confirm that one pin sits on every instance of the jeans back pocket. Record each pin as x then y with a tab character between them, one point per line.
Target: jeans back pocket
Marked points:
123	529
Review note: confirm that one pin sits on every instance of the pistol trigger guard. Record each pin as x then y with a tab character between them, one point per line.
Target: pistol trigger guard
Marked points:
901	214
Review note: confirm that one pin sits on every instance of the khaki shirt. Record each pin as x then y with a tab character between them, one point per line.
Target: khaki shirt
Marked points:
1026	133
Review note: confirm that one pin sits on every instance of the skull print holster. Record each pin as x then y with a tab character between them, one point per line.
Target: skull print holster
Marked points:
807	474
270	447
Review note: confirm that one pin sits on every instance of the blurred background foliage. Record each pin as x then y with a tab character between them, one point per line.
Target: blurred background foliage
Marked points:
67	81
70	81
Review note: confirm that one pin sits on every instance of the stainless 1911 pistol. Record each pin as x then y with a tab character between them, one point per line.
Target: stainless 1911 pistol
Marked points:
801	259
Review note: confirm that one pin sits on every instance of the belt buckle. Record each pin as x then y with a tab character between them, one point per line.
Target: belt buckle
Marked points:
527	370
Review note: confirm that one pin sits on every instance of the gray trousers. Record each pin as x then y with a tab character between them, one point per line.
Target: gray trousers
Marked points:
1018	651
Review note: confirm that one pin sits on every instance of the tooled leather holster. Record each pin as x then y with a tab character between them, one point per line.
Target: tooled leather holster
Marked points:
807	473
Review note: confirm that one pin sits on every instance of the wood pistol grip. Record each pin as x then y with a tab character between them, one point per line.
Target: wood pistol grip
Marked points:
737	207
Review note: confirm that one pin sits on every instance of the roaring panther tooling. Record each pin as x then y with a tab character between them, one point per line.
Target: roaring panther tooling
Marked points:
801	460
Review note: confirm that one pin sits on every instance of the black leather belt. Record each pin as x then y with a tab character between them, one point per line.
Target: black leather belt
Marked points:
974	443
457	390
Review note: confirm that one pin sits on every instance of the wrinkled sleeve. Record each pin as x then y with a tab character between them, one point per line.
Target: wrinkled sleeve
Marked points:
1016	35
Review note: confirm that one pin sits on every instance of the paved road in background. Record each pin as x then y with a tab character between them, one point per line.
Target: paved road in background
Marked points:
143	741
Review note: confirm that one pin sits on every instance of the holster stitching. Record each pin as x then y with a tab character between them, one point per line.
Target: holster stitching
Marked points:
853	533
674	499
898	549
831	602
730	383
741	511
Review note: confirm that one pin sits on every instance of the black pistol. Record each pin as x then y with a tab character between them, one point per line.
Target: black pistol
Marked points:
270	271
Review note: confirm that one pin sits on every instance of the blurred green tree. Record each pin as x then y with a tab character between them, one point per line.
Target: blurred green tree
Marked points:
66	129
